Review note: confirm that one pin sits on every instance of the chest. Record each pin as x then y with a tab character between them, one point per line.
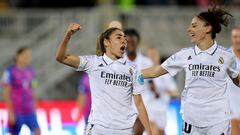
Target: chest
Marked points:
205	65
117	76
22	79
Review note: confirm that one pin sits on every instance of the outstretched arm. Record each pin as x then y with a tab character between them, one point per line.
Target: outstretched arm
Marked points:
143	116
61	55
153	72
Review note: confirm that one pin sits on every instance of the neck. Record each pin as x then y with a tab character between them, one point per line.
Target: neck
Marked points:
112	56
132	56
206	44
236	52
20	65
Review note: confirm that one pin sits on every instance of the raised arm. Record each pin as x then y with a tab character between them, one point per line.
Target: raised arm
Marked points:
153	72
143	116
61	55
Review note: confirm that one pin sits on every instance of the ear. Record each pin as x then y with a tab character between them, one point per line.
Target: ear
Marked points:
208	29
106	42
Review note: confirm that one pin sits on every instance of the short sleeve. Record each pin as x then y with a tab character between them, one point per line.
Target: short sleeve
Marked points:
86	62
138	83
233	69
173	64
6	78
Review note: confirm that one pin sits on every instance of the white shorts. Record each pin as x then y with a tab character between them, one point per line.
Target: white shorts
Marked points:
100	130
222	128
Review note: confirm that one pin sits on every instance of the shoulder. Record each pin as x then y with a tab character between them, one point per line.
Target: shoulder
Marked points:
187	49
184	52
9	68
224	50
131	64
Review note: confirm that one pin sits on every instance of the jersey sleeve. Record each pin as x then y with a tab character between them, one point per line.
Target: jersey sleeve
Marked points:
6	78
138	83
173	64
233	69
86	62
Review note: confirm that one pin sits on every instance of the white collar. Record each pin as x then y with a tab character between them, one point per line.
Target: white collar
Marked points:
210	50
109	61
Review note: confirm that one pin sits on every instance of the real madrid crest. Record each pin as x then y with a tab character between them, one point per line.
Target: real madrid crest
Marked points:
221	60
131	71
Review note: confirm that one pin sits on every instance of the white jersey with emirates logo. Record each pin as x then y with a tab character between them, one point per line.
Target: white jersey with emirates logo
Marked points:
204	98
112	83
234	93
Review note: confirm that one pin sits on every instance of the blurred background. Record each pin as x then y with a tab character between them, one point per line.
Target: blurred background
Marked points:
40	25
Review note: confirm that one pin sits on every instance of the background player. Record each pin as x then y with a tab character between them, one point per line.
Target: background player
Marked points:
18	83
113	82
167	88
134	55
234	91
84	97
204	104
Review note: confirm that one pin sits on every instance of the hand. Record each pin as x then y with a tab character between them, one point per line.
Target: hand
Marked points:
73	27
11	118
157	95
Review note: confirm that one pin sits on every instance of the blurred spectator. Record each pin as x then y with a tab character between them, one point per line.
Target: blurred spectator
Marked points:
18	83
84	97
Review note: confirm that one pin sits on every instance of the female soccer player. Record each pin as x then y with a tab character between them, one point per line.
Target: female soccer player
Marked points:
234	91
113	81
18	83
205	106
167	88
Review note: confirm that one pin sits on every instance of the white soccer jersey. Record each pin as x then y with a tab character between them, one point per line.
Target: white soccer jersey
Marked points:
157	108
204	98
143	62
112	83
234	93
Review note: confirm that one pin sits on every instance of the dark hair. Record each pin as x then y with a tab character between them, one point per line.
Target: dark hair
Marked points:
215	17
100	48
21	50
132	32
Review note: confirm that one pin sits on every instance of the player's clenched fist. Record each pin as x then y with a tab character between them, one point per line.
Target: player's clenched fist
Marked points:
73	27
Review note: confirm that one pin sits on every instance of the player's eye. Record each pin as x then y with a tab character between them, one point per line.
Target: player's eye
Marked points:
118	37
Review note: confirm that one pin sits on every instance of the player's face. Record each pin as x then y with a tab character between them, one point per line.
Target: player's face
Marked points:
117	43
25	57
132	43
198	30
235	37
154	56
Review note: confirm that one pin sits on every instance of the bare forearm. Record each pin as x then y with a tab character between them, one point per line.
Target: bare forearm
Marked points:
153	72
143	116
61	52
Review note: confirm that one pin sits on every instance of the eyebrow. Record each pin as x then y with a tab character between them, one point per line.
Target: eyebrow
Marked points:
120	35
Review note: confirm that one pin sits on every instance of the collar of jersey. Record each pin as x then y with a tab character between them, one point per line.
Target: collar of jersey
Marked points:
109	61
210	50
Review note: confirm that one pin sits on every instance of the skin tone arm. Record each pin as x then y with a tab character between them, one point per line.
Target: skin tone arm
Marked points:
61	56
7	100
236	80
143	116
153	72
